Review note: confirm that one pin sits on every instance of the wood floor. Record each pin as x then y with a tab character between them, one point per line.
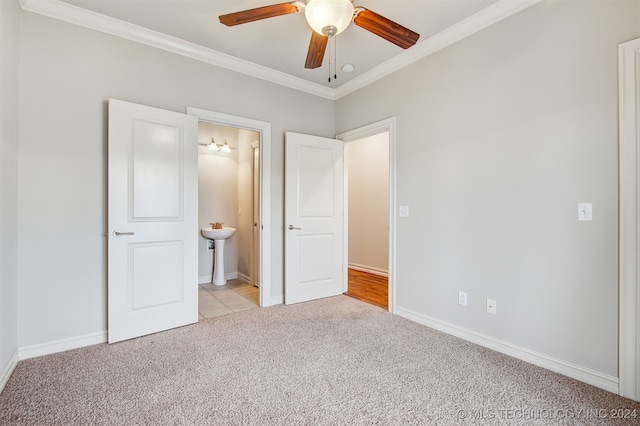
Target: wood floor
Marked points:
369	288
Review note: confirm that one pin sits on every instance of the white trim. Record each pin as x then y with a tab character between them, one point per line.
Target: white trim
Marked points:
62	345
8	370
264	128
85	18
486	17
48	348
242	277
592	377
276	300
66	12
629	150
369	269
206	279
386	125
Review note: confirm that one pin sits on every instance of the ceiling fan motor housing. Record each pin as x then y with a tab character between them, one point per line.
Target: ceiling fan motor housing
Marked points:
329	17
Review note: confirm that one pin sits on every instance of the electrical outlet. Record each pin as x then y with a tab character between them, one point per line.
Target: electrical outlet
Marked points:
491	306
403	211
462	298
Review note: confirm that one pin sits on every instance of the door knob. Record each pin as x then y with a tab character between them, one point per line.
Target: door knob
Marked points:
291	228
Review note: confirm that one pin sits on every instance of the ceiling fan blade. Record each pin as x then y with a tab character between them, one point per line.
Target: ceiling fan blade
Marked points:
385	28
317	46
258	13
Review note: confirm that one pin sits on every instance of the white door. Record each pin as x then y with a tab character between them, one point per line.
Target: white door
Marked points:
152	220
314	223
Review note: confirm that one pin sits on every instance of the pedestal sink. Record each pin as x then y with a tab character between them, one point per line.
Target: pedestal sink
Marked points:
218	236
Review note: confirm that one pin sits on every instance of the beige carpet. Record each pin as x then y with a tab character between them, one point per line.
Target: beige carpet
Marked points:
336	361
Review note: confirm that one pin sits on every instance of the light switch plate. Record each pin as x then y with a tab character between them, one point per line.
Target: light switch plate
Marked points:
403	211
585	212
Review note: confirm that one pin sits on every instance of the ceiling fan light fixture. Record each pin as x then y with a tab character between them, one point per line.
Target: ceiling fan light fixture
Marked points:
329	17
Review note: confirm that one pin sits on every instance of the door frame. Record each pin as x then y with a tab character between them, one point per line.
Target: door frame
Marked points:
263	128
254	258
629	221
382	126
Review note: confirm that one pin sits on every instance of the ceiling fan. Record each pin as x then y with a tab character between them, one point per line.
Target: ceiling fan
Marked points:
328	18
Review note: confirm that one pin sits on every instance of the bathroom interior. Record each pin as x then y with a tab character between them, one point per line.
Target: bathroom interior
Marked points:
228	193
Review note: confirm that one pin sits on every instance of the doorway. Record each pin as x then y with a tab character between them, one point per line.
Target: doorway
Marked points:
226	196
367	171
371	273
258	151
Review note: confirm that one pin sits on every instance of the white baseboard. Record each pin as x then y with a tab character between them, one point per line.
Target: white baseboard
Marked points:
244	278
8	369
47	348
369	269
592	377
206	279
278	300
61	345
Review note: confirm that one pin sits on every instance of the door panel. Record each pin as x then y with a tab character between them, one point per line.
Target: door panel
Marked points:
313	217
153	205
157	166
156	278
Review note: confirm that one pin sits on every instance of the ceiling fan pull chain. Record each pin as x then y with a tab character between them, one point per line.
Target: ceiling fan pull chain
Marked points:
335	59
329	60
327	19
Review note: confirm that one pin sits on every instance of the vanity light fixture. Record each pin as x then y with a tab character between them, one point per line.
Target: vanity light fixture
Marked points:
214	147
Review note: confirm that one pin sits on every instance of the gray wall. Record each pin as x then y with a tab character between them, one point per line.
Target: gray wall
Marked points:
499	137
9	36
67	73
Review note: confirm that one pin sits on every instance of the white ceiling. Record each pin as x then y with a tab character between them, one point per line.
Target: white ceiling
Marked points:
281	43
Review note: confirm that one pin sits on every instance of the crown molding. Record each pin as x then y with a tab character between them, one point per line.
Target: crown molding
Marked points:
486	17
75	15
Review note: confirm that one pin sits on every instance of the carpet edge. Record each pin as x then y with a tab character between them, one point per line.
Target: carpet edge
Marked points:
583	374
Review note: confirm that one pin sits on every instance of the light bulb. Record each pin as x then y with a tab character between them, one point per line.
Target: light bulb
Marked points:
329	17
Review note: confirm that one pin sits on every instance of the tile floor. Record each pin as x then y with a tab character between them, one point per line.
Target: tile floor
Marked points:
235	296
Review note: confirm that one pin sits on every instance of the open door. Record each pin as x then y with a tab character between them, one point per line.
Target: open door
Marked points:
152	220
314	199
